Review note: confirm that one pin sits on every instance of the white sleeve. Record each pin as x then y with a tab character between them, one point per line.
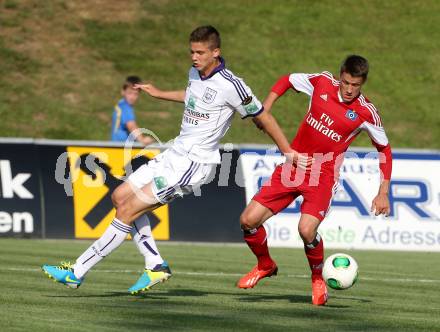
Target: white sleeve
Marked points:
241	98
301	82
376	133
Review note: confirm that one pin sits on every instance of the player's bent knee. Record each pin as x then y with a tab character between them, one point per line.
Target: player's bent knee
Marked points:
246	222
121	193
124	213
115	199
118	196
307	233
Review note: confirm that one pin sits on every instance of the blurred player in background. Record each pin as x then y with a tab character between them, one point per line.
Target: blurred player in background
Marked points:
212	97
124	119
337	113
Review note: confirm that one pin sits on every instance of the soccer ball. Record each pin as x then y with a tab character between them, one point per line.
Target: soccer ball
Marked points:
340	271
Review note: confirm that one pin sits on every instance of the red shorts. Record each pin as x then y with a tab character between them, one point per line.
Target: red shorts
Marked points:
276	194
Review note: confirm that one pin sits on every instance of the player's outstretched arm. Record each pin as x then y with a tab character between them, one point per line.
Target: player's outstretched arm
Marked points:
270	100
178	96
266	122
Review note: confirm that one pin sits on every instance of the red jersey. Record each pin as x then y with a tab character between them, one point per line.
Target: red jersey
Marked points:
330	124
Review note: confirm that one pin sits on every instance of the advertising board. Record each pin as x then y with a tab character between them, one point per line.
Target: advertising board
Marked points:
414	220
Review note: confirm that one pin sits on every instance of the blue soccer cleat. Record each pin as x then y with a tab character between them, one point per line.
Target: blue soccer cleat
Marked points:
63	274
149	278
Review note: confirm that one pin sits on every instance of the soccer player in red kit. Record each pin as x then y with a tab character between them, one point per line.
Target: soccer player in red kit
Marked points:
337	113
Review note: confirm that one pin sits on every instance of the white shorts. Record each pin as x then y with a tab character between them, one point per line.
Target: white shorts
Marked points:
172	174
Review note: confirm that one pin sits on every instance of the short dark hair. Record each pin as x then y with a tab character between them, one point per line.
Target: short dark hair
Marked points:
356	66
130	81
206	33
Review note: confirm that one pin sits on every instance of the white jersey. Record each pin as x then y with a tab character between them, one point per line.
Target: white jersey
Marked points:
210	104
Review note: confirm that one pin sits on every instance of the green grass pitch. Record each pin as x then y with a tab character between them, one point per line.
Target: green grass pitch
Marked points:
396	291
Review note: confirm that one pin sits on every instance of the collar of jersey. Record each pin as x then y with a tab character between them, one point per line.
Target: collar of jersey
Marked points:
220	67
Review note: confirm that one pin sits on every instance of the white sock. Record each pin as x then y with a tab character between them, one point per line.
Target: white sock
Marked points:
142	236
112	238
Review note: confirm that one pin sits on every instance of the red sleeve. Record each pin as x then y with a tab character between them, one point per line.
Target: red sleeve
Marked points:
385	160
282	85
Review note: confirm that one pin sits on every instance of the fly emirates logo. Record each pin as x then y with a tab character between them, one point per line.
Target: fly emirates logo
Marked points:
323	126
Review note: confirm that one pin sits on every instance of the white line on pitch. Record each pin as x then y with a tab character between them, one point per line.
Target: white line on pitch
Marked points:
220	274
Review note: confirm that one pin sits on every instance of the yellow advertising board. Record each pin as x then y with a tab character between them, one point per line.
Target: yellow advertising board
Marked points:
95	173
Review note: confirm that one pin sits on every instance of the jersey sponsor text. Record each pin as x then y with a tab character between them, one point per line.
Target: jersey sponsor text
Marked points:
322	128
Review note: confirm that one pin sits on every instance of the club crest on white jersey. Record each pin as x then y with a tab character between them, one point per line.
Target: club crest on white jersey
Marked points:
209	95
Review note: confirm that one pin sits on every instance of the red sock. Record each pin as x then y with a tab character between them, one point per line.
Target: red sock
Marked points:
315	255
257	242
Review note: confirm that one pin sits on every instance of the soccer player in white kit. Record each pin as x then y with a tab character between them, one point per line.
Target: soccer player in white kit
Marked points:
213	95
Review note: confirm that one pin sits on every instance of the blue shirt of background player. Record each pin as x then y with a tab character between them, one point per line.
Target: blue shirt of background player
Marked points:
123	112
